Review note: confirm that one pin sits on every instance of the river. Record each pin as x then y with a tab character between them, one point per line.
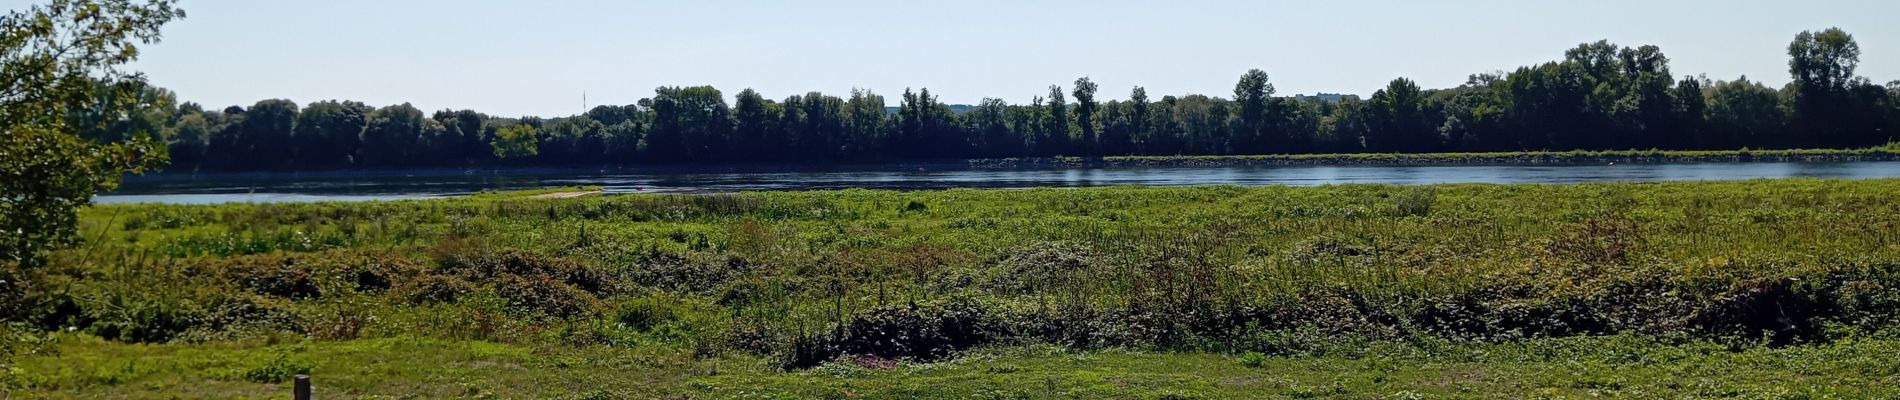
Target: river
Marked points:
205	188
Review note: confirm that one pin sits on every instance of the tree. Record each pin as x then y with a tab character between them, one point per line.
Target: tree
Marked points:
190	136
465	138
51	58
1646	116
1687	118
821	124
1473	115
394	136
1202	122
1252	94
1597	96
908	138
751	125
122	110
1822	64
265	134
689	123
514	141
924	128
1085	108
576	140
990	124
1344	131
1548	106
862	125
1054	138
1165	133
1742	113
329	133
1399	120
1137	124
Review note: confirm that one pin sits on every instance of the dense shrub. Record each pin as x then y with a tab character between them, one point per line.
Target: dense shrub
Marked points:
378	273
143	320
1416	202
434	289
547	296
1782	311
1870	302
913	332
668	271
645	313
272	275
279	369
487	266
1042	267
926	332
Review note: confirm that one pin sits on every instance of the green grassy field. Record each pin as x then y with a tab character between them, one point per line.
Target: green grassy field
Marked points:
1747	289
1622	366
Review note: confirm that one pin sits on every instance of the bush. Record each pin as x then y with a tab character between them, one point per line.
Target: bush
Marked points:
644	313
144	320
1253	359
487	267
434	289
380	272
923	333
1044	266
668	271
546	296
272	276
1416	202
1777	310
914	332
278	370
1598	241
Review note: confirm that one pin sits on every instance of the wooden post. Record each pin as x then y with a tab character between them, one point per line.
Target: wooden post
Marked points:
302	389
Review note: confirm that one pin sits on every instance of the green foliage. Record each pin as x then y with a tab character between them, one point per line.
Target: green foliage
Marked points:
1598	97
1417	202
1253	359
52	57
279	369
1622	366
515	141
863	278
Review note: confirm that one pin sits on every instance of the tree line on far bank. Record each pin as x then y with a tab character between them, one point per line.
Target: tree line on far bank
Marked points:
1600	96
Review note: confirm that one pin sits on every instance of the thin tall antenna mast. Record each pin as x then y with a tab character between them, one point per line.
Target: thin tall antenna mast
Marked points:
583	102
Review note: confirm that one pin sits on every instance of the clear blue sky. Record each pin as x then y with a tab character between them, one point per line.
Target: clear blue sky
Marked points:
535	58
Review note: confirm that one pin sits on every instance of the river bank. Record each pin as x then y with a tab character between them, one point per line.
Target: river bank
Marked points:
1888	153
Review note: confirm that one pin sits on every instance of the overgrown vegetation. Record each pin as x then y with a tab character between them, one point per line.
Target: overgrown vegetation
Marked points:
787	281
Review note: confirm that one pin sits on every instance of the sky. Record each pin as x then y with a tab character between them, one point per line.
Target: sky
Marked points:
513	58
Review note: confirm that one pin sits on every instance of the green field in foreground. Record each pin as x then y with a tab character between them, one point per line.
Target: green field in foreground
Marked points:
1628	367
1749	289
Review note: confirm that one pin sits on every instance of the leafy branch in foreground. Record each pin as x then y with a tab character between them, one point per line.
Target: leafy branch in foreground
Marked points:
53	57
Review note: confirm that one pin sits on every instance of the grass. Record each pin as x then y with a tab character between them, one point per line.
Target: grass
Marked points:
1622	366
1750	289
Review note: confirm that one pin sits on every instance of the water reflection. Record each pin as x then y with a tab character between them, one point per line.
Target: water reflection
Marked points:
388	185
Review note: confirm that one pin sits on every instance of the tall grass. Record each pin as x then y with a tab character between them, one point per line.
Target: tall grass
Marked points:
806	276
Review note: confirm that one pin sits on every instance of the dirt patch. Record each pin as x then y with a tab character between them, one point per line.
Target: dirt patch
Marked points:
564	195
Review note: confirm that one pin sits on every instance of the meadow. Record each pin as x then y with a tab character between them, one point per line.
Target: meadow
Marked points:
1743	289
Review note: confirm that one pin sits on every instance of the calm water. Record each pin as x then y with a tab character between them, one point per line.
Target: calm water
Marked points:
406	184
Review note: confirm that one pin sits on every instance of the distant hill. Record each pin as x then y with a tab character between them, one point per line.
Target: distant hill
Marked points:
954	108
1327	97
